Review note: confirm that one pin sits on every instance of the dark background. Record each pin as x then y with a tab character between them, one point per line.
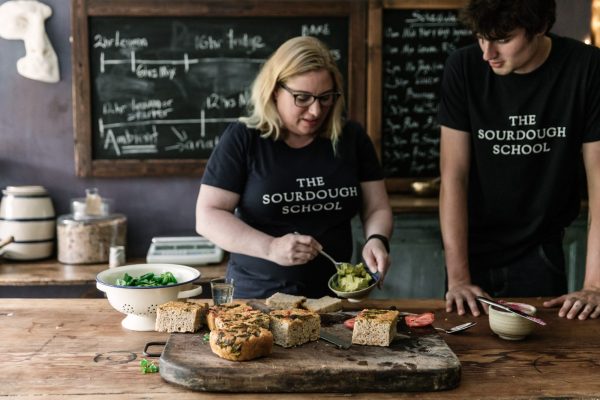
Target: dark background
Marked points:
36	138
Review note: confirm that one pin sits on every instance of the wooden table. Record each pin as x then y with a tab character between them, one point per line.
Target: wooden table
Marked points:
76	349
49	278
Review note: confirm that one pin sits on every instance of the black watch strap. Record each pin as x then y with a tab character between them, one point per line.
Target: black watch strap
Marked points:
383	239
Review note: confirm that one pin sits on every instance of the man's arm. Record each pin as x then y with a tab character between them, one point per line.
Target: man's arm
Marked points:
455	156
585	303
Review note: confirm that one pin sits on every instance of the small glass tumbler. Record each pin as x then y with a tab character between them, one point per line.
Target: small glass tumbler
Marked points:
222	290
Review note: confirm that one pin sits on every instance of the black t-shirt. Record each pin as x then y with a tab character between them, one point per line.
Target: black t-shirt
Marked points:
282	190
526	135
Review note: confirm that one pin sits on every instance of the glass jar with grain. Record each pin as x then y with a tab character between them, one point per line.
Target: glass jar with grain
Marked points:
86	235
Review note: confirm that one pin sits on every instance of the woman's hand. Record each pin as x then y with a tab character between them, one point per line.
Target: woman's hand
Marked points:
293	249
377	258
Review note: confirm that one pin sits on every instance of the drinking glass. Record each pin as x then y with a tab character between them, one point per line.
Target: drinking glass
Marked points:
222	290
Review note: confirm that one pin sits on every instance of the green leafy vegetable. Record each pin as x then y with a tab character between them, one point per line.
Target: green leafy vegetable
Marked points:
148	279
206	337
148	367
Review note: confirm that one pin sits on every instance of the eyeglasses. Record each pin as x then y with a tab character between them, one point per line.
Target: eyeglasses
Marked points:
303	99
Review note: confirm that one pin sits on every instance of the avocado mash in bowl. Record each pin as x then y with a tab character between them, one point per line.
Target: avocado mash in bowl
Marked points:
352	282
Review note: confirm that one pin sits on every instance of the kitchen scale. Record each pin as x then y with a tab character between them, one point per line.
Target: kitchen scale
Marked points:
186	250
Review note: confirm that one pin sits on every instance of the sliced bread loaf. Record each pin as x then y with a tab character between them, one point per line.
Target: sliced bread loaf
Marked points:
294	327
323	305
284	301
375	327
179	316
214	311
252	317
241	343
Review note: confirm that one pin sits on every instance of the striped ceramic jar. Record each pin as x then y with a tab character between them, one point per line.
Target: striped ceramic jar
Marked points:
27	214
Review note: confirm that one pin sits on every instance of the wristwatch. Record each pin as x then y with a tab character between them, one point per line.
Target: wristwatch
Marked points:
383	239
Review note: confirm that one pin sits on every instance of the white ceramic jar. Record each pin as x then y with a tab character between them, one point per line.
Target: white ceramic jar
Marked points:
27	214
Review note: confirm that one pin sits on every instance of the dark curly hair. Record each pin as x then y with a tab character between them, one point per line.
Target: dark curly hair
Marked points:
495	19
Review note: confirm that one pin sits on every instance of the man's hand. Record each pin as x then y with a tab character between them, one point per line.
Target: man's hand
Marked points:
583	304
459	294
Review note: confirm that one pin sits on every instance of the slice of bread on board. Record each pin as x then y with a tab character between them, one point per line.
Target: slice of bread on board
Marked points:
179	316
323	305
282	301
375	327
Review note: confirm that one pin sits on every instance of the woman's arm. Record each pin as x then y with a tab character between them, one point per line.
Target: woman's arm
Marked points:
215	221
377	218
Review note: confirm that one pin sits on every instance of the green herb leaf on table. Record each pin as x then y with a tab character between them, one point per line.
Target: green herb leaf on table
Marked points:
148	367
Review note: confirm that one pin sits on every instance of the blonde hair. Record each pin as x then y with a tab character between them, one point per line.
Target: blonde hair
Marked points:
296	56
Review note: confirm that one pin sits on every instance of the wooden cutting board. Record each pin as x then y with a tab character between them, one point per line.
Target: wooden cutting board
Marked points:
417	360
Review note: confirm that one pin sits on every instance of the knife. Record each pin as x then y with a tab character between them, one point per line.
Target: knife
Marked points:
510	309
336	340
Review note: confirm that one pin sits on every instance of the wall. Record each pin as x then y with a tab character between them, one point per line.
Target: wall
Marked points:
36	138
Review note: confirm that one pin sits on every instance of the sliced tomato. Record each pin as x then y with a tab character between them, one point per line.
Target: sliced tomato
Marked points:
419	320
349	323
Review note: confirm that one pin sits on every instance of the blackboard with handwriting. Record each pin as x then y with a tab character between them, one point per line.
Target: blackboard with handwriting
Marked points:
156	83
165	88
415	45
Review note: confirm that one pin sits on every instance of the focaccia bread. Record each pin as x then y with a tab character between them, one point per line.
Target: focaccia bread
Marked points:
214	311
251	317
294	327
375	327
241	343
284	301
179	316
323	305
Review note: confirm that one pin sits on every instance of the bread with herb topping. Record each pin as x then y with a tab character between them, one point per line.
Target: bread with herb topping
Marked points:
375	327
294	327
251	317
241	342
179	316
283	301
221	309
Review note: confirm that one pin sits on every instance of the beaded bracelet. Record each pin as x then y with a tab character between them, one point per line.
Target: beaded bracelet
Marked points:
383	239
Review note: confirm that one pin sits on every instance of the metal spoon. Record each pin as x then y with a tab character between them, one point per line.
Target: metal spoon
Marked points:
337	264
456	329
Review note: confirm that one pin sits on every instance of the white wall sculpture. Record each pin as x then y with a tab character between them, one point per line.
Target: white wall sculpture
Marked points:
24	20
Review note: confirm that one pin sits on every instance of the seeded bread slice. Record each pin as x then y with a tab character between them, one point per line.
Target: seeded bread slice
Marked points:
323	305
179	316
294	327
375	327
215	311
252	317
241	343
284	301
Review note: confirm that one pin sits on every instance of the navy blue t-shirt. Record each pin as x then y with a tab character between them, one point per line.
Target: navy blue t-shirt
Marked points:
282	190
526	133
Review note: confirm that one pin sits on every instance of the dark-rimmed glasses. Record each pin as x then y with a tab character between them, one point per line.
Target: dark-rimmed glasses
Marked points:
303	99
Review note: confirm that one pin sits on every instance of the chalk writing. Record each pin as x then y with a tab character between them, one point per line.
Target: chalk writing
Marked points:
166	87
415	46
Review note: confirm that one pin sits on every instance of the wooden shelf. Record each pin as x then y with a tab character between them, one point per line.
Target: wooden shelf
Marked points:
51	272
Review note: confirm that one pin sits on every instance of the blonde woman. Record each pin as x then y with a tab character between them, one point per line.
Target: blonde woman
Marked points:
294	165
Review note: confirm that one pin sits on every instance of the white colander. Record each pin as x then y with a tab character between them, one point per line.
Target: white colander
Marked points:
140	303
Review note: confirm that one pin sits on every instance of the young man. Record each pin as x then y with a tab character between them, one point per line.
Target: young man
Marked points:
517	110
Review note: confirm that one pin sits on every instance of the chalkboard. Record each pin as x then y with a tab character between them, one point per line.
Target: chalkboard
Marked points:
163	86
414	43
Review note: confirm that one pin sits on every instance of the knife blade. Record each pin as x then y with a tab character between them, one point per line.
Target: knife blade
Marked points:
336	340
510	309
